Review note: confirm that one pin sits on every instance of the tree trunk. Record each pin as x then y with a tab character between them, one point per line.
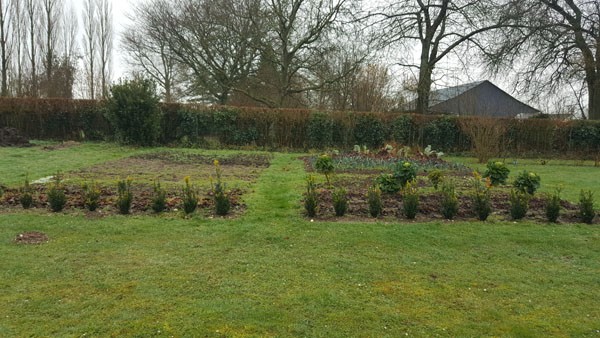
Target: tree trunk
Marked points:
594	100
424	85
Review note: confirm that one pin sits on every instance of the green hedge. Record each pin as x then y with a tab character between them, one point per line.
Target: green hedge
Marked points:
303	129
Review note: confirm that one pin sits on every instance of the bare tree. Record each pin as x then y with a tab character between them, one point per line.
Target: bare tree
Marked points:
552	43
5	32
105	42
19	39
32	20
52	11
147	46
438	27
90	45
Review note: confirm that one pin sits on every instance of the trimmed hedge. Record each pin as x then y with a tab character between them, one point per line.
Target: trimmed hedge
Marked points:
190	124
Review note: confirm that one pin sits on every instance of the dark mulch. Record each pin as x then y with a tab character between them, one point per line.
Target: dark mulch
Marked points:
11	137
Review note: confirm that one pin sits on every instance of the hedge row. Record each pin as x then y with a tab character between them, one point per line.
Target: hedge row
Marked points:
61	119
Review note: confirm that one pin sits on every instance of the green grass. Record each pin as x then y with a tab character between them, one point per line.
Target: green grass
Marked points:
274	273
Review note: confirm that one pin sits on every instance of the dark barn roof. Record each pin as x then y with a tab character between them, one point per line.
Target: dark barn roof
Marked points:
481	98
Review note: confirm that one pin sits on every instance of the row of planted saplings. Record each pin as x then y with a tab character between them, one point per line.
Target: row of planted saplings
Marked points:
57	198
404	180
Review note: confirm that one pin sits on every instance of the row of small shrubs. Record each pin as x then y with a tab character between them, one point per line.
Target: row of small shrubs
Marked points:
133	115
57	198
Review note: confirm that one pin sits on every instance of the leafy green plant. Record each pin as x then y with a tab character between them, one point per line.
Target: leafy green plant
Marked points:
481	197
410	200
436	177
553	206
26	194
222	202
340	201
133	112
56	195
519	204
586	206
91	196
527	181
159	198
190	196
449	200
374	201
311	199
370	130
125	196
324	165
497	172
388	184
405	172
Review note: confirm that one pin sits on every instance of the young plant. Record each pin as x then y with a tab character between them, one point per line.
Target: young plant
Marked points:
91	196
26	197
324	165
481	197
190	197
519	204
553	206
311	200
159	199
436	177
125	196
410	201
497	172
374	201
340	201
388	184
222	203
527	182
56	195
449	201
405	172
586	206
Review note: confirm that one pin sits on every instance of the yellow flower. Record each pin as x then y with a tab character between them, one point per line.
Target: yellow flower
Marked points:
216	163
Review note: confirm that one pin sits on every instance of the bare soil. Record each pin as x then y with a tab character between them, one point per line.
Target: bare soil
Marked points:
31	237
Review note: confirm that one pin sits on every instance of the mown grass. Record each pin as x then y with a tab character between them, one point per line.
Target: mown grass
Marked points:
274	273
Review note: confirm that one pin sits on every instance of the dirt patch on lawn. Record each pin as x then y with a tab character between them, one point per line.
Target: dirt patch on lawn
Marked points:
31	237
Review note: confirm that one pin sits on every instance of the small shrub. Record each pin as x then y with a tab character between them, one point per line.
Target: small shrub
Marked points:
340	201
91	196
190	196
410	201
481	197
388	184
56	195
374	201
324	165
26	196
519	204
159	198
553	206
125	196
449	201
527	182
311	200
586	206
436	177
497	172
222	203
405	172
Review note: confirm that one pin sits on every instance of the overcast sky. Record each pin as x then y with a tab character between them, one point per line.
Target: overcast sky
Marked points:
120	10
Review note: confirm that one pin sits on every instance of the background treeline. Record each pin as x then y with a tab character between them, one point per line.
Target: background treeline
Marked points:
199	125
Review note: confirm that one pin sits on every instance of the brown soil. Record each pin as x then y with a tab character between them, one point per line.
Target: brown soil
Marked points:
11	137
31	237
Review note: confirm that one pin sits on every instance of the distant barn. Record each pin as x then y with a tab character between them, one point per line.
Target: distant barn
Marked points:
481	98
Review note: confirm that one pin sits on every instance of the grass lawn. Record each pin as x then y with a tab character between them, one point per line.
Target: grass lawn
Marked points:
272	272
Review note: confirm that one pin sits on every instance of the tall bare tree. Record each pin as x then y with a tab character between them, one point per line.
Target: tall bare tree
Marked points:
19	39
105	43
52	11
439	28
32	11
5	48
90	46
552	43
147	46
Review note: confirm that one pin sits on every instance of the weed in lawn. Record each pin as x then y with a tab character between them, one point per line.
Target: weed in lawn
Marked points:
125	196
586	206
